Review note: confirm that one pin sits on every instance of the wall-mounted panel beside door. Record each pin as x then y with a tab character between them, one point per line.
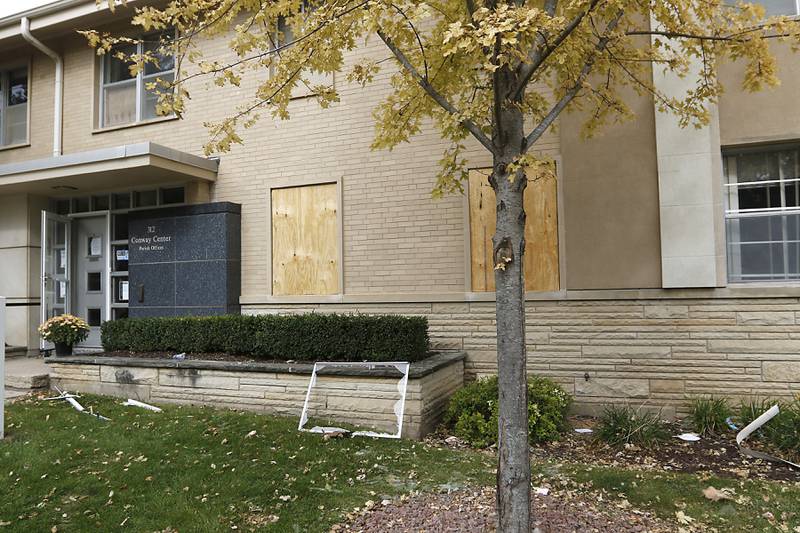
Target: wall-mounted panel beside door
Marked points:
541	232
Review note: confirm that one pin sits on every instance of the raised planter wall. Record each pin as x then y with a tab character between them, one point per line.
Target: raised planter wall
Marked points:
352	397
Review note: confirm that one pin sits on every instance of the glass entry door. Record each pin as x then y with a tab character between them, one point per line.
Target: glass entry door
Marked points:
56	232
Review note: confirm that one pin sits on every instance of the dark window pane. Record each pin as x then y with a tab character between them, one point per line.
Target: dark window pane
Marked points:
122	200
80	205
172	195
757	166
93	317
117	69
62	207
100	203
792	193
145	198
753	197
120	227
18	86
158	45
93	283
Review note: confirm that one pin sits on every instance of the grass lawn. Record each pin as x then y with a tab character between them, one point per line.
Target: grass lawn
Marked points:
754	505
196	469
199	469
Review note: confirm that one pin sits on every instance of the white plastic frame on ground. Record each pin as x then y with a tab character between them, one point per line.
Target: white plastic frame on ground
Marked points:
399	406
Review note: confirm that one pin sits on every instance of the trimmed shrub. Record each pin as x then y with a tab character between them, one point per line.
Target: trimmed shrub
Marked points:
708	415
308	337
622	424
472	412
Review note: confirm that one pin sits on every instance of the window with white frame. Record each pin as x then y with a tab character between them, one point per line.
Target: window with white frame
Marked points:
126	98
762	215
286	36
780	7
13	106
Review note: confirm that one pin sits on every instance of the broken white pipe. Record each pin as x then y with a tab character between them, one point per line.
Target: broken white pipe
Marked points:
74	403
58	103
137	403
765	417
750	428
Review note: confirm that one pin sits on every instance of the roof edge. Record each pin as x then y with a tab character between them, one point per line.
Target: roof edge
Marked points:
109	154
46	9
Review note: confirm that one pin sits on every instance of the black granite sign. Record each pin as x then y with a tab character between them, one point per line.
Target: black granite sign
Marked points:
185	260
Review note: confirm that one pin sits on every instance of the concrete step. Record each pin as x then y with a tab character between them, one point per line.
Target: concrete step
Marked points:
27	373
28	381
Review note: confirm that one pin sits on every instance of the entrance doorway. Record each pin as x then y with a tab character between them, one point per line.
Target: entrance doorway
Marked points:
75	270
85	254
90	279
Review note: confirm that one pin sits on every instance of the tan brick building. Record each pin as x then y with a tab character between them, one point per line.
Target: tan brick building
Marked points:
665	262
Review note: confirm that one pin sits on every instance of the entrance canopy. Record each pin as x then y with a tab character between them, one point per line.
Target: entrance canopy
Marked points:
107	168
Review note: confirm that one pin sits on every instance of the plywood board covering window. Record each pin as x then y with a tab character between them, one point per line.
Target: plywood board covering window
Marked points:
541	233
305	240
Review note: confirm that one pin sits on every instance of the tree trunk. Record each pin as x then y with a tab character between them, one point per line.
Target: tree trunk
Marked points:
513	472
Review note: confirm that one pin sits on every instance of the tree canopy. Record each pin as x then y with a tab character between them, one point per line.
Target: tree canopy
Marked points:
449	54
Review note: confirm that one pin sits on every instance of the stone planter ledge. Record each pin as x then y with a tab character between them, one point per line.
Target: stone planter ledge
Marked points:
418	369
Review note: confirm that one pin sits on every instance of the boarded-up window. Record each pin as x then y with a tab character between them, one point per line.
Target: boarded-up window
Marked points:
305	240
541	233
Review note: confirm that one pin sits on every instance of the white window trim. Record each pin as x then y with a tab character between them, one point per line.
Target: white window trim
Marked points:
140	89
734	213
4	91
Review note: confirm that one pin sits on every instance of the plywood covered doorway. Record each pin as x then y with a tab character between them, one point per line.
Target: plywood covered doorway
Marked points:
305	240
541	233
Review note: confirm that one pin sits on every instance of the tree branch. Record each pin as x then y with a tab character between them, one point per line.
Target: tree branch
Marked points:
539	55
559	106
434	94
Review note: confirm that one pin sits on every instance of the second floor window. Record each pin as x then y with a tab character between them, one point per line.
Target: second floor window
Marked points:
13	106
125	98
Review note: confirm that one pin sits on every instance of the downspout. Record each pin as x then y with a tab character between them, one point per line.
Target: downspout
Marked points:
25	27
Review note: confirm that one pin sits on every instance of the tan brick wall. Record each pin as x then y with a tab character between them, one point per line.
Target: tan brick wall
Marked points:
661	351
392	228
361	401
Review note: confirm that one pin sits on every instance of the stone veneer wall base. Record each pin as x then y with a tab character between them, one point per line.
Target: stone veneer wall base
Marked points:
660	352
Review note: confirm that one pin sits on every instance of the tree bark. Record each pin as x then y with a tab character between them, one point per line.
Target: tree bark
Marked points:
513	472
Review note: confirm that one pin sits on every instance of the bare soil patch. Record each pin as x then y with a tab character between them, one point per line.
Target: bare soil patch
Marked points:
471	510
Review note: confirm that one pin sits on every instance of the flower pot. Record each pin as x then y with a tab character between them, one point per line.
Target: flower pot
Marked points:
63	348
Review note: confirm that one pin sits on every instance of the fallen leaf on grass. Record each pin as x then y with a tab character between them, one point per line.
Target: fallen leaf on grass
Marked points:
716	495
683	518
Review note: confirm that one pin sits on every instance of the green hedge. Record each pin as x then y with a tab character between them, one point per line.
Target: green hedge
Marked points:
308	337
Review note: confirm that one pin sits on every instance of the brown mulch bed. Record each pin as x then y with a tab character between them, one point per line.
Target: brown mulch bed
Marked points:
717	455
473	510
